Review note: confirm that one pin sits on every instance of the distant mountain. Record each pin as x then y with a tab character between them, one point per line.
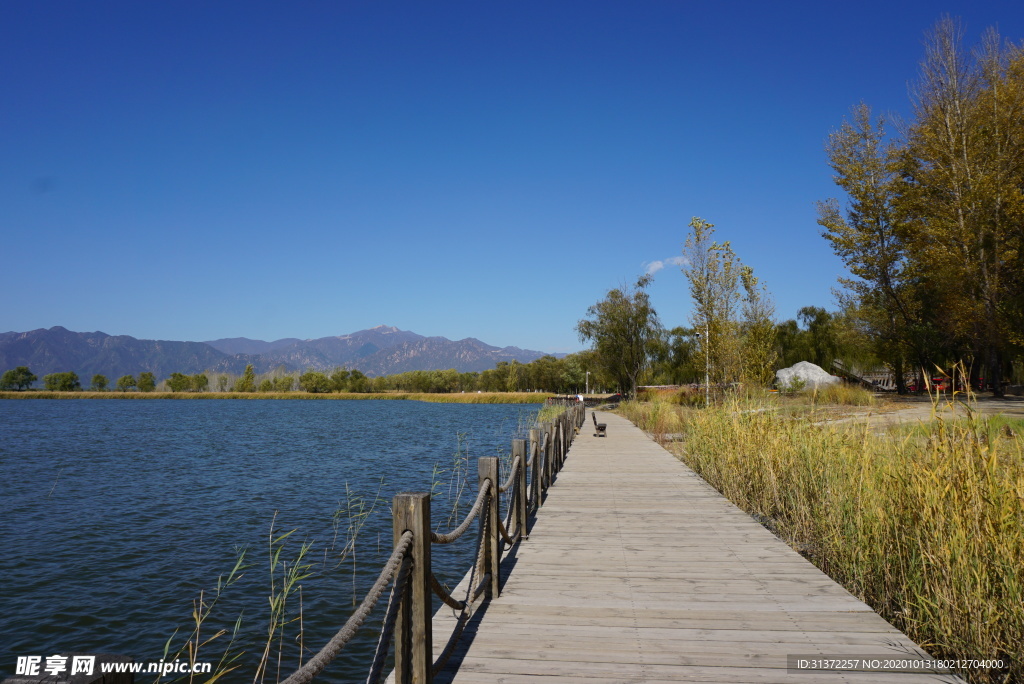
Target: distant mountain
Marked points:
59	349
382	350
243	345
342	351
439	353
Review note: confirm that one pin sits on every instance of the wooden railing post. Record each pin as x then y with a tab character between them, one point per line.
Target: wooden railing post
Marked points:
487	468
414	652
534	468
548	451
519	451
563	438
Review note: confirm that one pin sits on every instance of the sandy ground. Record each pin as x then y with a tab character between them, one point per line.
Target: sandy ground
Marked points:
903	410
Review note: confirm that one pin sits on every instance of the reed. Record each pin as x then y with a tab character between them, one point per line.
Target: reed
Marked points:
285	580
202	608
926	526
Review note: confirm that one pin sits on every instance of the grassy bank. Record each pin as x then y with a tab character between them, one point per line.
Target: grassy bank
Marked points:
924	525
460	398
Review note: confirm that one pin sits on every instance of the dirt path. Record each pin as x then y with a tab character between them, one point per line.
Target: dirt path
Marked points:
903	410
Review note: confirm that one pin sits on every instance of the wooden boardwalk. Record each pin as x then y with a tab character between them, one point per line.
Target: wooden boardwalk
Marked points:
637	571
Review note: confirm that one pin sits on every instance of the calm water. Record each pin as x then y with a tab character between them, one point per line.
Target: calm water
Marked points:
115	514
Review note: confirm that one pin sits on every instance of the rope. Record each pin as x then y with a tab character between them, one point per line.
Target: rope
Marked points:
511	477
505	535
390	617
445	597
317	663
449	537
471	595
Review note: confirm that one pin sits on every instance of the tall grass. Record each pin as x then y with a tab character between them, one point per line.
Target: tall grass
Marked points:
927	527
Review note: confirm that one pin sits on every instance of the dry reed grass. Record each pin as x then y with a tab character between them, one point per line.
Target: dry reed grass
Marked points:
926	527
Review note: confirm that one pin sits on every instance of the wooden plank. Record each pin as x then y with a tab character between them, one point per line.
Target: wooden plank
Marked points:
637	571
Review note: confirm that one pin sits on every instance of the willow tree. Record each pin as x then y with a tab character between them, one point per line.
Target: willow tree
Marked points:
624	330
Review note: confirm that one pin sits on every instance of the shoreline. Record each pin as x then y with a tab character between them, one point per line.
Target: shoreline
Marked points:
439	398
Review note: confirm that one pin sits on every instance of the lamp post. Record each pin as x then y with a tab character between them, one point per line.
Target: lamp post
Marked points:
587	392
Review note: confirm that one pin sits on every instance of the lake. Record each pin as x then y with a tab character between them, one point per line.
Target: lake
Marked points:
116	514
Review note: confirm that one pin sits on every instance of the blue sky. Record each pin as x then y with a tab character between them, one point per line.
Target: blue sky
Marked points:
195	170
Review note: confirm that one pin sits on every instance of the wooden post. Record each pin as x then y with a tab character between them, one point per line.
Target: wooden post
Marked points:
562	441
487	467
414	651
548	451
519	451
535	469
556	455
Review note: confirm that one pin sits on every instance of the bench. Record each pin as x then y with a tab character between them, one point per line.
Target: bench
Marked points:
600	427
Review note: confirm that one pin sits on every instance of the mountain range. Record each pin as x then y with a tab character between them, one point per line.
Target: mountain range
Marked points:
382	350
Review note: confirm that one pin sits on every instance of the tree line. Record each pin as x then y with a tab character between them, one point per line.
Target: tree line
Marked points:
932	231
548	374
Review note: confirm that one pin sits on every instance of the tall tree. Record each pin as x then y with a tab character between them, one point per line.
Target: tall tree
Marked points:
19	378
179	382
623	328
247	383
314	382
713	271
147	382
964	156
758	331
872	238
62	382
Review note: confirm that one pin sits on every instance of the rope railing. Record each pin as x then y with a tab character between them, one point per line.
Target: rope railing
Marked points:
449	537
535	464
511	477
317	663
380	656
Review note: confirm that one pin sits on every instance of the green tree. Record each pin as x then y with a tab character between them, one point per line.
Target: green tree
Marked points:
873	239
757	331
20	378
222	383
266	385
179	382
966	198
246	383
314	382
62	382
99	383
624	329
713	272
125	383
357	382
200	382
339	380
147	382
284	384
